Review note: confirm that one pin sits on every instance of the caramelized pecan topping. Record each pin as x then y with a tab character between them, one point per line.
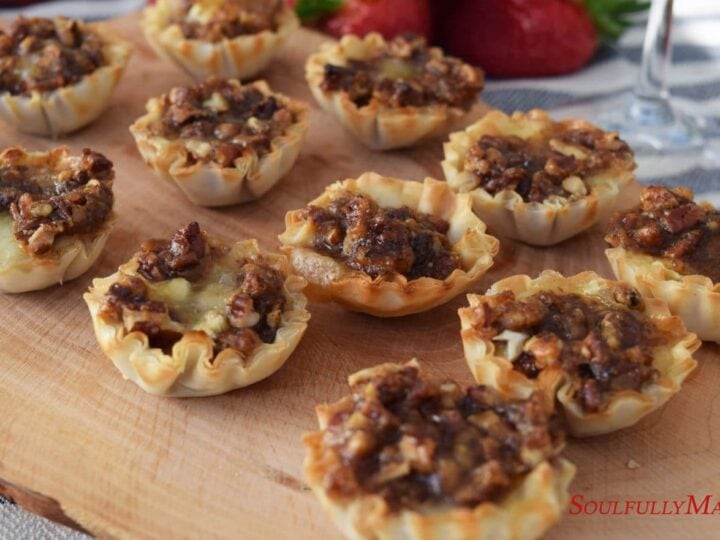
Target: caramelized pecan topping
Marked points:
407	74
131	294
228	19
181	256
414	442
250	314
61	199
669	224
541	166
603	347
46	54
379	241
233	120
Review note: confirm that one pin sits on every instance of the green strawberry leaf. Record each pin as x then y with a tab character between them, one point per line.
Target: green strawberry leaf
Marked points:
612	17
312	9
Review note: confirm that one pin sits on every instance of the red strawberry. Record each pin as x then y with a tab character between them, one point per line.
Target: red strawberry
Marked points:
526	38
388	17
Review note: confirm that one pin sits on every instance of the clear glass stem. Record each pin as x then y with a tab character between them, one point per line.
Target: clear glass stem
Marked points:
651	106
657	52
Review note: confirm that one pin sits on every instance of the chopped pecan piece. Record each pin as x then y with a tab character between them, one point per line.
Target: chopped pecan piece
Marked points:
181	256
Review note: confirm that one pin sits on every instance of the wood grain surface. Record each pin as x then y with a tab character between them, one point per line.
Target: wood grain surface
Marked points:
121	463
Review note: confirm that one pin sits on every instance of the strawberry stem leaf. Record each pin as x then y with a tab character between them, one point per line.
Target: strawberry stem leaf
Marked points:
612	17
312	9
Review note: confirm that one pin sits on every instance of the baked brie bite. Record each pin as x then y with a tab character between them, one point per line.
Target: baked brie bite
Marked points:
535	179
56	213
57	75
406	457
388	247
392	94
222	142
227	38
191	316
604	353
669	247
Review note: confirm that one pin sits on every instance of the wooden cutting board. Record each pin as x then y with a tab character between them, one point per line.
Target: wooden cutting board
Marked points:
82	446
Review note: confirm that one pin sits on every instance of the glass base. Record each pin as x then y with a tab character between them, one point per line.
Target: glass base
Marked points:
666	138
651	126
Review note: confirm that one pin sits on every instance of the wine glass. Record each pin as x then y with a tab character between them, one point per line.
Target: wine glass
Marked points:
661	133
648	119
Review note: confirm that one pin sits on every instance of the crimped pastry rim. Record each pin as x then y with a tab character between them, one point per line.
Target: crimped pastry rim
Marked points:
694	298
393	296
625	407
209	184
65	109
529	510
376	126
193	370
539	223
241	57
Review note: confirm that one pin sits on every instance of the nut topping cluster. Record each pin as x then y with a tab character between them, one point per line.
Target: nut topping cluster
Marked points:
67	196
602	346
228	19
253	306
46	54
556	162
407	74
669	224
380	241
222	120
415	442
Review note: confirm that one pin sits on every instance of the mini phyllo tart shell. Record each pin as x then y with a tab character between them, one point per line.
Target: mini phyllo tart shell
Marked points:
580	174
479	499
239	57
188	161
55	231
517	363
67	108
389	294
193	317
693	297
378	125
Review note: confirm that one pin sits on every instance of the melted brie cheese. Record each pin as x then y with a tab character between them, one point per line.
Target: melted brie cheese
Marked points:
514	342
201	305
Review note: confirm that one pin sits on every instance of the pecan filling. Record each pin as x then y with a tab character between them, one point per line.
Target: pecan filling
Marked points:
669	224
215	20
46	54
415	443
603	348
222	121
61	199
381	241
556	161
189	283
407	74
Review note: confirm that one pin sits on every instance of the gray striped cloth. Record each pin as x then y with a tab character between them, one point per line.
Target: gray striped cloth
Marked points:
694	83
